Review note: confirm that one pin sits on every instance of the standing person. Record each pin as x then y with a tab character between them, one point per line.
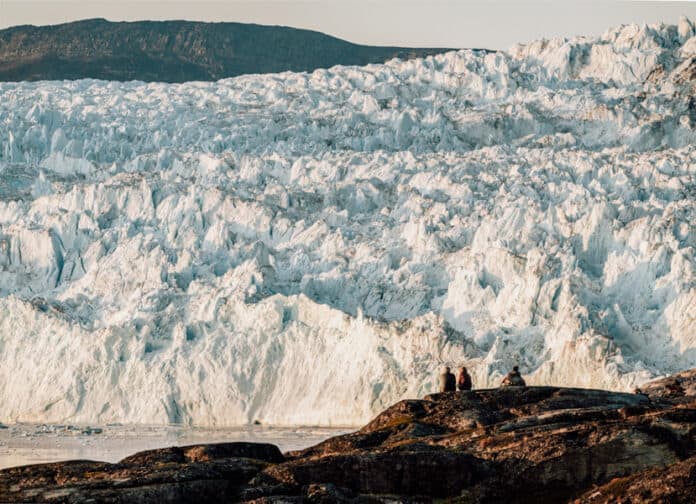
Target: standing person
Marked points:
464	379
514	379
448	383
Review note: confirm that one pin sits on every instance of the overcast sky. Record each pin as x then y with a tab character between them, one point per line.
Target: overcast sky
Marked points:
426	23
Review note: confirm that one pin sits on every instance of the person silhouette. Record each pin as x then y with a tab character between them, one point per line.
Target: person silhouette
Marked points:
464	379
513	379
448	383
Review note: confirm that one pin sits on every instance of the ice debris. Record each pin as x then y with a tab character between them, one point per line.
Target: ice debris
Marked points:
308	248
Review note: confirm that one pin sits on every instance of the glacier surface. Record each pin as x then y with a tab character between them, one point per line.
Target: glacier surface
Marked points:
309	248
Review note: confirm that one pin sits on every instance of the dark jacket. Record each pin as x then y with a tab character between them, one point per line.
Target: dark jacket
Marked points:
513	379
448	383
464	380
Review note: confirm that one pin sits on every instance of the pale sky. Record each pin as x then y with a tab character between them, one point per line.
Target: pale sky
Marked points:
492	24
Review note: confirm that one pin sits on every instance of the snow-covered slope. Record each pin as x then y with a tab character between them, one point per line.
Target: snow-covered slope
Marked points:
308	248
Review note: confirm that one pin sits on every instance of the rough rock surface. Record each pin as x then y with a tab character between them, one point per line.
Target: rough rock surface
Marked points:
515	444
179	474
175	51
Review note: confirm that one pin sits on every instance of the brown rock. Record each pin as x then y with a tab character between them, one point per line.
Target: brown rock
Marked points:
206	453
675	484
531	444
177	474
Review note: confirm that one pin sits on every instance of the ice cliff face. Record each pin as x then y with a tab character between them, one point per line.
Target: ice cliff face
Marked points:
308	248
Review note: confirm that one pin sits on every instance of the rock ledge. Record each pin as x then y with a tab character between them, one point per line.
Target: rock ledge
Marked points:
514	444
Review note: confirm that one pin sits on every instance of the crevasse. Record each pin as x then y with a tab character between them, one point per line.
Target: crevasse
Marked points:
309	248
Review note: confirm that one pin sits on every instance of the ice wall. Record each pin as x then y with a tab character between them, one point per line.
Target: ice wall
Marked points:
309	248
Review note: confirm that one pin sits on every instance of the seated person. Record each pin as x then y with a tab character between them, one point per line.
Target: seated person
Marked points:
513	379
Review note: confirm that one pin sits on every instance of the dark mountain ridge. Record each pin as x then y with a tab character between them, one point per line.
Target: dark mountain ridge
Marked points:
176	51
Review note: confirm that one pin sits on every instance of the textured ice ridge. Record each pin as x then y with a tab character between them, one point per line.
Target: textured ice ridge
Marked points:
308	248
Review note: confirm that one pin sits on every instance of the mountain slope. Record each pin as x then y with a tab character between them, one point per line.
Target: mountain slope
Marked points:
175	51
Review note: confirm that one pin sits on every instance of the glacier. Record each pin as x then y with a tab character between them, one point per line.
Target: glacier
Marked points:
307	248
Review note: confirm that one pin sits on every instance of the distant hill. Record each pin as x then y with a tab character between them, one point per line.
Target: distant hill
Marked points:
175	51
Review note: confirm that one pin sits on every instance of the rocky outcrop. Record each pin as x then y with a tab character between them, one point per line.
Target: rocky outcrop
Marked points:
515	444
675	483
175	51
207	473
